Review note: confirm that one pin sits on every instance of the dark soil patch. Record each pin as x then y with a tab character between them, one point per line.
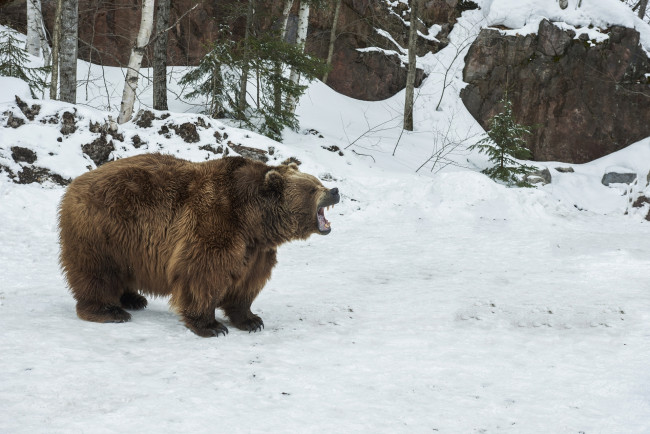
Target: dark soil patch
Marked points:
144	119
23	155
14	122
333	148
187	131
252	153
29	112
210	148
99	150
30	174
137	141
292	160
68	123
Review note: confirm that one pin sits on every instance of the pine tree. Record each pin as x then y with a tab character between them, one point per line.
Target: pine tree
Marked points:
218	78
504	144
13	60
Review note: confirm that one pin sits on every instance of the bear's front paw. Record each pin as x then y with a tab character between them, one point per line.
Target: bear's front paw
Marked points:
212	329
253	324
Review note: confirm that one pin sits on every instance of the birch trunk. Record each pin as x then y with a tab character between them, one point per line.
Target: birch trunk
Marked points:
277	92
160	56
243	83
68	51
410	76
303	24
330	51
56	39
33	43
133	69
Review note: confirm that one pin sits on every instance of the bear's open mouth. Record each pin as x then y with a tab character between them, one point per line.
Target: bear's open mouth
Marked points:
331	198
323	223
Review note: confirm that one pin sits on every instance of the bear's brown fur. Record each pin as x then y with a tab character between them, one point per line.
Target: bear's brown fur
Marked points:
204	233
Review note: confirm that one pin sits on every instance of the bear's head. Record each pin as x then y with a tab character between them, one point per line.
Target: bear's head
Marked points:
302	199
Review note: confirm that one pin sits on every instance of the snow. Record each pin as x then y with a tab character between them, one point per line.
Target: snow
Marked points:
441	301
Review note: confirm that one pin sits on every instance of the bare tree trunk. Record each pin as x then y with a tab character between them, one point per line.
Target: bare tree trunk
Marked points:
277	92
32	44
68	50
243	83
135	60
160	56
410	76
330	51
643	4
56	39
564	4
303	24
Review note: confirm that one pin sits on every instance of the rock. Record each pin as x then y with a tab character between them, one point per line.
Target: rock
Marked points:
68	123
618	178
539	176
585	98
99	150
23	155
29	112
187	131
565	169
252	153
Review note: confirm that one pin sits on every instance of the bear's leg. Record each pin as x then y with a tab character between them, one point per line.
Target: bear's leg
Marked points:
241	316
132	300
197	311
204	325
97	290
237	302
98	296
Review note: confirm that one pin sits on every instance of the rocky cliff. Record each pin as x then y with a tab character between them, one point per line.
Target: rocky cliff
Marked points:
584	97
109	27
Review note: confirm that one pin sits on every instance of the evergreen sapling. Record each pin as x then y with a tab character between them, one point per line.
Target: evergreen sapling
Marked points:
13	61
504	144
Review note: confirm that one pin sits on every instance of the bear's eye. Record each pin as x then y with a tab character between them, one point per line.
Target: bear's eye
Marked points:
314	189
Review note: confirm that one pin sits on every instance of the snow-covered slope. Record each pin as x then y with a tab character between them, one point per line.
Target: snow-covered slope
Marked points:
440	302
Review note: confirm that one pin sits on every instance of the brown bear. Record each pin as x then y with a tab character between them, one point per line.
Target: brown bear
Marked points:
204	233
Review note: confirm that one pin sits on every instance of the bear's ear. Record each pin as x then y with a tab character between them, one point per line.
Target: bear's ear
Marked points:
273	181
293	166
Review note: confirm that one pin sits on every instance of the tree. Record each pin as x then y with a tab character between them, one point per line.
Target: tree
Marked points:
33	43
410	76
13	61
330	50
56	42
503	144
160	56
245	66
67	54
277	92
303	24
135	60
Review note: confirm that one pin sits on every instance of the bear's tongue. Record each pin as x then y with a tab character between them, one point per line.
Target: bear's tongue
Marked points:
323	224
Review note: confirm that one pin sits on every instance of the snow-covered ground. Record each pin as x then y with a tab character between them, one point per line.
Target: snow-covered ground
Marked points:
440	302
